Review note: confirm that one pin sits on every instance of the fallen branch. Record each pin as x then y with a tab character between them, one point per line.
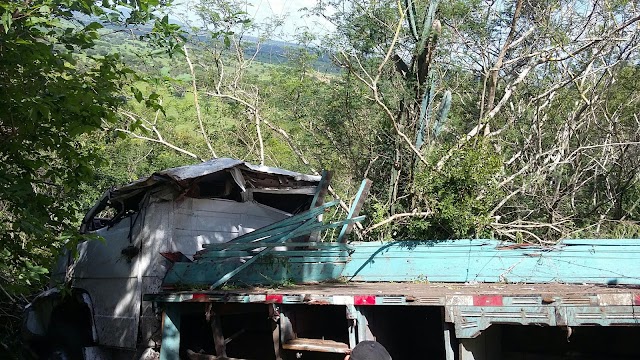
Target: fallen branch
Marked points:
529	225
395	217
159	141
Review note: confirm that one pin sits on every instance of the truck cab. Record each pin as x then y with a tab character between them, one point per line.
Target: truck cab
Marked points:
135	234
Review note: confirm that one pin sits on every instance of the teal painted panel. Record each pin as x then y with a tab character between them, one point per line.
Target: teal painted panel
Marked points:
269	270
316	259
284	253
477	260
494	261
224	254
312	253
601	242
170	347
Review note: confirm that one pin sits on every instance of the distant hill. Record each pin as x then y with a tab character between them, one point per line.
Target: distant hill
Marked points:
271	51
275	51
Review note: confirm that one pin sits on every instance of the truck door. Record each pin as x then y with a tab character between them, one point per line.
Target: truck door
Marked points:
108	269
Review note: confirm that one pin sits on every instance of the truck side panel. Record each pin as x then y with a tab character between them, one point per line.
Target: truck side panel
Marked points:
577	261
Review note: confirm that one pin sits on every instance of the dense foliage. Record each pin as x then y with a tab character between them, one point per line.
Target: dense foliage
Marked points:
53	98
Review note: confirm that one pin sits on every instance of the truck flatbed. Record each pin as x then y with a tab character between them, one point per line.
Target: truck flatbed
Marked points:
470	308
414	293
551	304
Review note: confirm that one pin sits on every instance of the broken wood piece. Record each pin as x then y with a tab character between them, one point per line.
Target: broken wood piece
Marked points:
218	338
317	345
356	206
305	228
192	355
322	189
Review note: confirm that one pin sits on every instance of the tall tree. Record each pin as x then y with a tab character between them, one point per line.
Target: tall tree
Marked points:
488	118
51	95
527	88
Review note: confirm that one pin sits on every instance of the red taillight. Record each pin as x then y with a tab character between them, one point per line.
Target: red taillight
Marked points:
199	296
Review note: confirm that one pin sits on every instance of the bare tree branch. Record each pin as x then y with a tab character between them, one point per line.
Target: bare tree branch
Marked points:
395	217
158	139
196	103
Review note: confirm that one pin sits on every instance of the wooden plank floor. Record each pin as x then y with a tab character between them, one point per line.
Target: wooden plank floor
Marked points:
432	289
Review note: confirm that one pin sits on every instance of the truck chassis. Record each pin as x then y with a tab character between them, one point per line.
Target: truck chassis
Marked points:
443	321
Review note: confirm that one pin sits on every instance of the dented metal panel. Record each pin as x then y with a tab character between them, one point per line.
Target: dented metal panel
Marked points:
104	258
117	281
215	165
217	178
210	221
155	236
188	172
116	309
173	211
610	262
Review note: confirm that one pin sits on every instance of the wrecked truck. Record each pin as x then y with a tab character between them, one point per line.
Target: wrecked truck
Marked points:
201	250
141	228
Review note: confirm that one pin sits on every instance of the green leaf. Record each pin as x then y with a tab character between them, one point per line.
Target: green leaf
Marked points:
137	93
183	77
93	26
113	17
6	20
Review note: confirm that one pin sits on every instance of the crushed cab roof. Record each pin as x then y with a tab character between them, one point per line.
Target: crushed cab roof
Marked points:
183	177
183	174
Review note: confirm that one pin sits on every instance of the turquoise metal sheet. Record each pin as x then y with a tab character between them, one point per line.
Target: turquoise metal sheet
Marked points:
573	261
268	270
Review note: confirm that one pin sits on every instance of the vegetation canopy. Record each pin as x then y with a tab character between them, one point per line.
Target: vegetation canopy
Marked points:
53	99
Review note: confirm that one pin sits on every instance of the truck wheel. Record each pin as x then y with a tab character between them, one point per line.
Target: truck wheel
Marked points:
369	350
69	331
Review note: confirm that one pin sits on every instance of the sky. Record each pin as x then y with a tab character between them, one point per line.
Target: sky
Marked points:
290	11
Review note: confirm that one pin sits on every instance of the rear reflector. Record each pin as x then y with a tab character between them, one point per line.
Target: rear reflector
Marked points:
481	300
364	300
274	298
